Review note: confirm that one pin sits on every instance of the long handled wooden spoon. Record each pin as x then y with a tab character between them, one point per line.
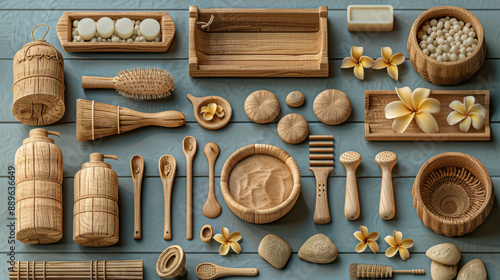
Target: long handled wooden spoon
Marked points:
189	149
211	209
167	166
351	160
387	207
137	170
210	271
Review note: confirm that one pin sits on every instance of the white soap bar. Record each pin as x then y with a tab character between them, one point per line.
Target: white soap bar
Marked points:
150	28
370	18
124	28
86	28
105	27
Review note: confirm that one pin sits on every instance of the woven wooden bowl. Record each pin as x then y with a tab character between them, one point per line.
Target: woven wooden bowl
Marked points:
453	194
252	207
451	72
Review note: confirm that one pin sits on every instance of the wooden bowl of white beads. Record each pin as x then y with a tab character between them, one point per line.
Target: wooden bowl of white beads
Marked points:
446	72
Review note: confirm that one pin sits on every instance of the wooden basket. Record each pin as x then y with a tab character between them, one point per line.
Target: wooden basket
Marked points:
252	214
451	72
453	194
38	86
258	42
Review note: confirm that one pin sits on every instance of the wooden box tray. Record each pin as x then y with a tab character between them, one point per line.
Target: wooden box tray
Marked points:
258	42
378	128
65	25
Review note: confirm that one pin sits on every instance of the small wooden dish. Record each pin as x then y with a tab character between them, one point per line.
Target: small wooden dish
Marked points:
453	194
451	72
216	122
280	167
206	233
65	25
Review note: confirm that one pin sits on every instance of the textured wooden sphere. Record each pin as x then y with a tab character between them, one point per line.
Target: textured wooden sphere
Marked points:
262	106
293	128
295	99
332	107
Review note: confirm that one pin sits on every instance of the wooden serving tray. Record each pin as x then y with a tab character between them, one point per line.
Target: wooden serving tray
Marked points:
378	128
65	25
258	43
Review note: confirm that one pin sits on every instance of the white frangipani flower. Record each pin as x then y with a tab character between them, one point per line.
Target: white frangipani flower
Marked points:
467	113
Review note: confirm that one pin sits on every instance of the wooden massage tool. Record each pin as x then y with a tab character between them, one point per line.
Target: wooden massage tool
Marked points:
387	207
167	166
137	171
211	209
351	161
375	271
172	262
189	149
210	271
321	164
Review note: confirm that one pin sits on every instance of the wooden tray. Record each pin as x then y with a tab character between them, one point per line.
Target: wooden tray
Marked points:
378	128
65	25
258	42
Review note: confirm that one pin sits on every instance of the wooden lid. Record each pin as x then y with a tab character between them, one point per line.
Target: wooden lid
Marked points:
332	107
293	128
262	106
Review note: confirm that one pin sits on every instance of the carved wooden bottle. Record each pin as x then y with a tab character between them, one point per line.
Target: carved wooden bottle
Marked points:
39	175
95	212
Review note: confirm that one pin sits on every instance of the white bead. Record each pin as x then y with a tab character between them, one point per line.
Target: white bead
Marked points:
460	33
439	52
467	25
130	40
440	33
139	33
453	57
423	45
434	35
464	37
447	18
445	57
456	28
461	56
454	49
115	39
430	40
463	50
99	39
157	39
469	53
473	46
429	31
424	37
447	25
78	38
123	40
426	51
75	23
439	58
446	48
433	22
470	41
469	49
466	30
472	34
450	39
434	29
461	24
141	39
440	47
440	25
441	41
108	40
452	32
475	41
433	56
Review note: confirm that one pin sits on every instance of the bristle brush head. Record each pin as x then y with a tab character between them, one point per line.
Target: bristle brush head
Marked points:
145	83
369	271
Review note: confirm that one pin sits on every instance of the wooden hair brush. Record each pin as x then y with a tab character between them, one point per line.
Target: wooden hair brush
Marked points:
375	271
137	83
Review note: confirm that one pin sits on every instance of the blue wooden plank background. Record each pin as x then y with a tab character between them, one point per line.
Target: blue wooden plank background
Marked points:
18	17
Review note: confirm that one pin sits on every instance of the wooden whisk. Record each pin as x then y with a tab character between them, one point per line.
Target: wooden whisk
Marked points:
375	271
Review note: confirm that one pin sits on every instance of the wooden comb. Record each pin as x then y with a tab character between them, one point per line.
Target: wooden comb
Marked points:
375	271
321	164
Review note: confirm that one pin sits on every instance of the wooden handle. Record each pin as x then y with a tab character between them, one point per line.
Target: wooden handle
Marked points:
387	207
189	199
321	210
410	271
165	119
167	218
351	206
98	82
137	183
229	271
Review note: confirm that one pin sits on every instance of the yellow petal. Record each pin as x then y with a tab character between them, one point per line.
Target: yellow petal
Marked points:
219	238
455	117
223	249
373	236
397	59
348	63
356	53
366	61
401	124
478	109
212	108
393	71
373	246
364	231
236	246
419	95
407	243
477	121
391	252
426	122
225	233
204	109
220	109
404	253
390	240
361	247
398	236
359	236
396	109
468	102
458	106
386	54
207	116
404	94
430	105
235	236
359	72
465	124
380	64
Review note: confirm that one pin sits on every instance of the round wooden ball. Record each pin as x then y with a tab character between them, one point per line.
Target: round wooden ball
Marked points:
262	106
293	128
295	99
332	107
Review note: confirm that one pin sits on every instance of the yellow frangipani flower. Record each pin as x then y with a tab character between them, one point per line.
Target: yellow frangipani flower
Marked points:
366	239
467	113
358	61
389	61
228	240
398	244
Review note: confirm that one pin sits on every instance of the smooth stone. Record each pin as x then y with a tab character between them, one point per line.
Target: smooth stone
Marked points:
274	250
445	253
442	271
473	270
318	249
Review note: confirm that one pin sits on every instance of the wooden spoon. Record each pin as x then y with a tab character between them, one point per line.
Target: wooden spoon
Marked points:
351	160
387	207
211	209
167	166
209	271
189	149
137	170
216	122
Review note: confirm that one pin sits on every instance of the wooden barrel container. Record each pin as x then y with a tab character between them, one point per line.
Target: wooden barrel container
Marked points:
95	212
449	72
38	84
39	175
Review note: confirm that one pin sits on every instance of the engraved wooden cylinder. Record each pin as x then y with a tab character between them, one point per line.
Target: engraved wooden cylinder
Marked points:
95	212
38	86
39	175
